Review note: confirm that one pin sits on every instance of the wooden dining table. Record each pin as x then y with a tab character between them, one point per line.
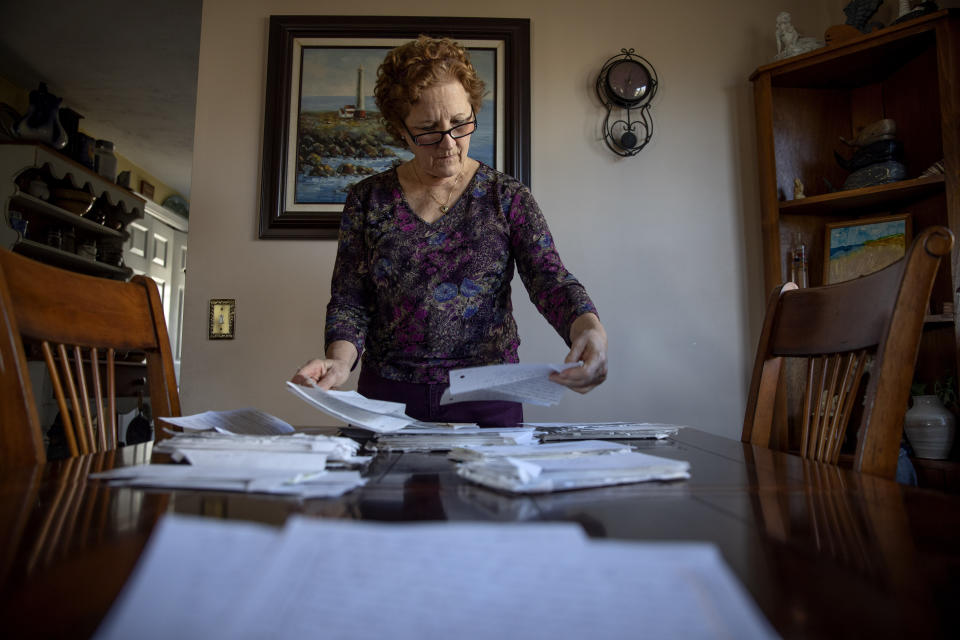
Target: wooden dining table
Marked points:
824	551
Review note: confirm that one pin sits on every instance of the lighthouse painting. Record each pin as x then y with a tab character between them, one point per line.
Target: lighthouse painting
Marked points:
340	138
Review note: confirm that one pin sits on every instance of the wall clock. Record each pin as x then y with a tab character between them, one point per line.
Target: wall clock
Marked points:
627	83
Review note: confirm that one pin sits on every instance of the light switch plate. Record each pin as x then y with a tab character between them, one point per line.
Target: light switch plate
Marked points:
223	312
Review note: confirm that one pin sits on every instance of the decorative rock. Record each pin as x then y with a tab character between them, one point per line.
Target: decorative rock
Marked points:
879	151
884	129
859	12
880	173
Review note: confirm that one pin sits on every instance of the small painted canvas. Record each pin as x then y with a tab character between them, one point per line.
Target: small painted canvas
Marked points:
860	247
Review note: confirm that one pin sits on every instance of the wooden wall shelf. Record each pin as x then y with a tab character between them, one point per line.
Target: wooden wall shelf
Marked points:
118	204
844	202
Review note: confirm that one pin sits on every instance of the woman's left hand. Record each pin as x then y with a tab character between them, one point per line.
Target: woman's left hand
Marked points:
588	342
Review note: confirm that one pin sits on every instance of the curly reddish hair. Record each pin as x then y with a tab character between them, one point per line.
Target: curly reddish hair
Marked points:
418	65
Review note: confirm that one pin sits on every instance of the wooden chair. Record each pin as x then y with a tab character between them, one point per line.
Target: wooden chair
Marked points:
837	329
80	323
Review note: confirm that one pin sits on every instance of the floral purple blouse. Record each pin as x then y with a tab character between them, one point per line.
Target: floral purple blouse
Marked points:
424	298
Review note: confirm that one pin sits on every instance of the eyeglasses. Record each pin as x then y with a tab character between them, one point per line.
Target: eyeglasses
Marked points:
434	137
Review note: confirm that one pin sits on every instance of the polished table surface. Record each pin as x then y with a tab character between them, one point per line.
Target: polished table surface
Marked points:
823	551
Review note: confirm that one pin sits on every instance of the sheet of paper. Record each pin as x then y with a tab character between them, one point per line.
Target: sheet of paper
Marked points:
240	421
527	383
187	472
225	579
201	567
375	415
304	484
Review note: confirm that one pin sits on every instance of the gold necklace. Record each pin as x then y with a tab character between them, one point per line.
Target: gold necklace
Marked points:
443	205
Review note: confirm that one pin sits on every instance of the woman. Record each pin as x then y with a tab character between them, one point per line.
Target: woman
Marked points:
421	283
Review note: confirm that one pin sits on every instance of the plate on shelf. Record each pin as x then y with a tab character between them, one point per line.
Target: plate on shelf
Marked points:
178	204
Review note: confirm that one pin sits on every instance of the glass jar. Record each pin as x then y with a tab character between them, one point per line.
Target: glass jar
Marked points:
798	262
19	223
105	161
55	238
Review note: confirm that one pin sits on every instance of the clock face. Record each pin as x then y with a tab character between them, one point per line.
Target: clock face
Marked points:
628	82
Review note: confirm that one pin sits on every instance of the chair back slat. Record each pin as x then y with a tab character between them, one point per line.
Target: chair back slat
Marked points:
80	351
73	443
98	399
112	398
84	436
83	394
838	330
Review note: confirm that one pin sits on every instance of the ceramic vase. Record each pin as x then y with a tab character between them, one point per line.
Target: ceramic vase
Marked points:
930	428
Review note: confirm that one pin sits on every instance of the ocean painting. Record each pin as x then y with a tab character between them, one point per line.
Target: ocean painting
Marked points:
340	139
859	248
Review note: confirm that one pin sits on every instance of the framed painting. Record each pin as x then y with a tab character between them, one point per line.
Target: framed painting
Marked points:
322	132
859	247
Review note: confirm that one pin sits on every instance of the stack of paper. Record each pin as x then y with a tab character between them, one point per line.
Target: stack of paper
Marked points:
334	448
537	451
445	438
518	475
608	430
221	459
424	581
225	433
378	416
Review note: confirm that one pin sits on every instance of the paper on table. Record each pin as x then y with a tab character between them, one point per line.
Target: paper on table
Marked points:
224	561
252	460
616	430
487	580
526	475
549	450
354	409
217	478
239	421
336	447
527	383
418	439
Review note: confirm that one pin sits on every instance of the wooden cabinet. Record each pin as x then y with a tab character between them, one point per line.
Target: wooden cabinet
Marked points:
102	235
805	104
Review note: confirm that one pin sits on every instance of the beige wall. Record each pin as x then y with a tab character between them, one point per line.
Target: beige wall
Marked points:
666	242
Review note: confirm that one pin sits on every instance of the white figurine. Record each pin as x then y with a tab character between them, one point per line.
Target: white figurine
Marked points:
789	42
798	189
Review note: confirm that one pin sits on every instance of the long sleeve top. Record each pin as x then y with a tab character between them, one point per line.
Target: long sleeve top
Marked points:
418	299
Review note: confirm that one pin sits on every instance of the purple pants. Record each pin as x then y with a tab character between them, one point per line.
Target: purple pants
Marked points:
423	402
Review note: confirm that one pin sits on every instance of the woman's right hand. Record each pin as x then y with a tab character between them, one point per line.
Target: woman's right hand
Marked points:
330	372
